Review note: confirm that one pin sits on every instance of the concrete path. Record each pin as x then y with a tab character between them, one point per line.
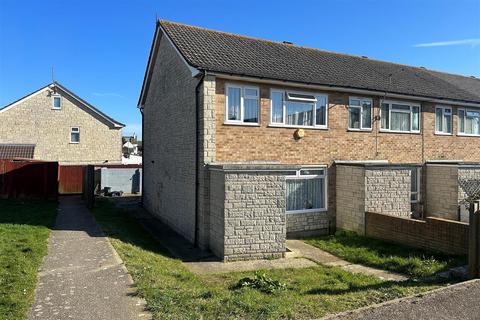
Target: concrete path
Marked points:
82	276
459	301
301	249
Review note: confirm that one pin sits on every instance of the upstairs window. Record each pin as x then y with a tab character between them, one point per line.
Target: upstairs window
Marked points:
443	120
56	102
293	109
469	122
360	114
400	117
242	105
75	135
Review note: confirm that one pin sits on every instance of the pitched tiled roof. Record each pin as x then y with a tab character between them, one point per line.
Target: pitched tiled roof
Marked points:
233	54
16	151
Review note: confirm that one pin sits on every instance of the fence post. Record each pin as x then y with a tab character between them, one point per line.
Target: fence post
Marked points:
474	240
89	186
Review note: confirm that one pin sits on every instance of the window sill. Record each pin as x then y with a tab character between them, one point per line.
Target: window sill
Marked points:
401	132
306	211
74	142
296	127
443	134
468	135
246	124
359	130
56	108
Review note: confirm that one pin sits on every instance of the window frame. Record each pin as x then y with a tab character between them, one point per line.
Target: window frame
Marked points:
404	103
361	112
71	131
443	133
54	96
242	88
465	110
419	186
299	176
284	109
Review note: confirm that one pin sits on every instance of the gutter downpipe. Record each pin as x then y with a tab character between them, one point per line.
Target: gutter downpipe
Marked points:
197	157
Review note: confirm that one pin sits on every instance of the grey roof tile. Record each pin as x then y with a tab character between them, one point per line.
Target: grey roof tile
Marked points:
240	55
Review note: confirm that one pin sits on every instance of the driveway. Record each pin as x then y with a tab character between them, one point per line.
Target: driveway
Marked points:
82	276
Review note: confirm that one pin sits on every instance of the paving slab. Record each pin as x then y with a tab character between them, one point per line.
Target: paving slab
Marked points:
82	277
458	301
302	249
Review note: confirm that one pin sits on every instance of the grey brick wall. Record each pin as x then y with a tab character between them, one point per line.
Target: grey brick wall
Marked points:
442	191
384	189
128	180
308	224
169	142
33	121
247	214
387	191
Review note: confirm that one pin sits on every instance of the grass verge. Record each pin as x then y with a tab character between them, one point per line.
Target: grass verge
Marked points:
172	292
379	254
24	230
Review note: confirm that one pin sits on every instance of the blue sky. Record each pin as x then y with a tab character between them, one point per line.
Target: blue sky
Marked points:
99	49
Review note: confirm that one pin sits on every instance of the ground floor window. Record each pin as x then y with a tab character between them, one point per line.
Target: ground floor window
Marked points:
415	185
306	190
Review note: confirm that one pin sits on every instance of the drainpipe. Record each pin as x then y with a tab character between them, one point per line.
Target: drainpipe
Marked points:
197	157
143	157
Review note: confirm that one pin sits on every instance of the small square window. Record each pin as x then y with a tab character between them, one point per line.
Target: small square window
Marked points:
57	102
75	135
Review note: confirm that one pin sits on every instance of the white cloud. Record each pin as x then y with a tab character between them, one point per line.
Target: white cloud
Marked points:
107	94
132	128
463	42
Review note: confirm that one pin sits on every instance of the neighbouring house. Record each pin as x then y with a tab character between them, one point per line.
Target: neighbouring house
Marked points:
249	141
54	124
132	150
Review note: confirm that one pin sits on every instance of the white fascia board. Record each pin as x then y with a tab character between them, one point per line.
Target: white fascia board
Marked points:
342	89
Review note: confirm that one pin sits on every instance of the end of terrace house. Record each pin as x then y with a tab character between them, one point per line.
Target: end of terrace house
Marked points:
249	141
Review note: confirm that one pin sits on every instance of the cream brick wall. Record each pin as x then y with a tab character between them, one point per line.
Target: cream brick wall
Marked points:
33	121
350	190
442	191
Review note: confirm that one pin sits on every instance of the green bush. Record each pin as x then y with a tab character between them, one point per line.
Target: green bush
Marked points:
261	282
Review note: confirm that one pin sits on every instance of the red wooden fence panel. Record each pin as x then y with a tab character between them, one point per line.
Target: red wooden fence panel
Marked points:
28	179
70	179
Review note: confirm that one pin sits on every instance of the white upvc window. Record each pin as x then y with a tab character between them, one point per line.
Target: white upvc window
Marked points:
242	105
306	190
298	109
360	114
399	117
469	122
75	135
56	102
415	184
443	120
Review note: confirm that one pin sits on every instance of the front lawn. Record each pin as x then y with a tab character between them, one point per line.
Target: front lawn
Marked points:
24	231
172	292
382	255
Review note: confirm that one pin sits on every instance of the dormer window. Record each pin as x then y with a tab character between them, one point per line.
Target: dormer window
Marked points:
56	102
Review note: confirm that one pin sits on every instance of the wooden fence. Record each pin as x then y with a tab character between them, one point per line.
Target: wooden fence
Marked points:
28	179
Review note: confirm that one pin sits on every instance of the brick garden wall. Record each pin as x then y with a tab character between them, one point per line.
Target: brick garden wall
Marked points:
433	234
442	191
